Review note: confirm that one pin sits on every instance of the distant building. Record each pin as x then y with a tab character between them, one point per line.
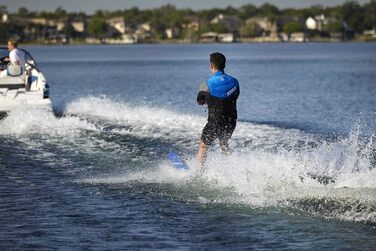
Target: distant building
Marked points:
231	23
4	18
172	33
226	38
42	21
264	26
213	37
124	39
311	23
316	23
130	38
46	30
297	37
79	25
209	37
370	33
284	37
143	33
191	22
119	24
320	22
60	25
146	26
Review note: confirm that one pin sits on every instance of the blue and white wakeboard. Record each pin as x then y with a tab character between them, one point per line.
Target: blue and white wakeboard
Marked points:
176	161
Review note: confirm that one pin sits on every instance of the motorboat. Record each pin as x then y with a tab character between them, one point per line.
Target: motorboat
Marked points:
22	86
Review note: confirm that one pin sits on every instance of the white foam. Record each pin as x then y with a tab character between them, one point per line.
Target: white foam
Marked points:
150	122
262	178
270	166
24	121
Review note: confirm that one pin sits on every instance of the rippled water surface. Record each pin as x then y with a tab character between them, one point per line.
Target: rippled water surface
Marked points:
93	174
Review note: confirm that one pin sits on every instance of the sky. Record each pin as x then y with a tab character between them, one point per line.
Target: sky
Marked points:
89	6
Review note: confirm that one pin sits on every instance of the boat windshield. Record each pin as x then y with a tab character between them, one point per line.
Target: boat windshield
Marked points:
29	59
4	53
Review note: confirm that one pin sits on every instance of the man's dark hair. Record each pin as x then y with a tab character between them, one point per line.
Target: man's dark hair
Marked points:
218	60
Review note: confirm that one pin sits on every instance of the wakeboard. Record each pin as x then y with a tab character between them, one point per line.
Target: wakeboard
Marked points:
176	161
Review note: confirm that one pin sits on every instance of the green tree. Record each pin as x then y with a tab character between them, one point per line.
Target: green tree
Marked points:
353	15
335	26
219	27
98	27
47	15
4	32
292	27
311	11
231	11
247	11
250	29
209	14
370	15
102	14
23	12
270	11
165	17
60	12
3	9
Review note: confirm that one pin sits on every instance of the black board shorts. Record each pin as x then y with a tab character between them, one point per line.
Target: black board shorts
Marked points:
221	130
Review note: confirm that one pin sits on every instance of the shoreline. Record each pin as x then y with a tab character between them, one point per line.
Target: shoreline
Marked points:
177	42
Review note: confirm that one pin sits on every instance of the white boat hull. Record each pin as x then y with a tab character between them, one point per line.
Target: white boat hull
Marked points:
26	89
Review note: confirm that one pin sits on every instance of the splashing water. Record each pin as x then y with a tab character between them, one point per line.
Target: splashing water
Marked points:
278	167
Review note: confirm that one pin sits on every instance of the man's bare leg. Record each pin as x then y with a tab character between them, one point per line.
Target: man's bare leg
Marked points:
201	155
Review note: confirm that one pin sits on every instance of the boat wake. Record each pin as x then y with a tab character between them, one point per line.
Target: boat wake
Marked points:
269	167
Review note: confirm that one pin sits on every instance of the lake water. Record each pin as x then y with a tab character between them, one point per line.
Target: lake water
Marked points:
94	174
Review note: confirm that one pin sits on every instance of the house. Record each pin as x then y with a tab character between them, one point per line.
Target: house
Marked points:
297	37
264	26
42	21
172	33
226	38
60	25
119	24
231	23
4	18
209	37
78	25
130	39
146	27
284	37
311	23
191	23
213	37
370	33
47	30
124	39
318	22
143	33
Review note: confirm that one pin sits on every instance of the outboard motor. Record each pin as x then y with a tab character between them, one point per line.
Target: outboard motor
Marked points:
46	91
29	80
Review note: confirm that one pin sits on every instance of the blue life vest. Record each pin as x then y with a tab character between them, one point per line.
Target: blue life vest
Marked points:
222	85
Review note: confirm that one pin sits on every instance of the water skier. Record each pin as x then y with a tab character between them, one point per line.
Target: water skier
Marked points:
219	93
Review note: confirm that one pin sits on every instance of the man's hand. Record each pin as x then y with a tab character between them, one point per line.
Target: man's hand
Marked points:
201	97
6	59
203	92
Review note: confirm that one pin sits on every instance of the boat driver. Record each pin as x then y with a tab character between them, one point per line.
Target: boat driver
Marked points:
16	56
